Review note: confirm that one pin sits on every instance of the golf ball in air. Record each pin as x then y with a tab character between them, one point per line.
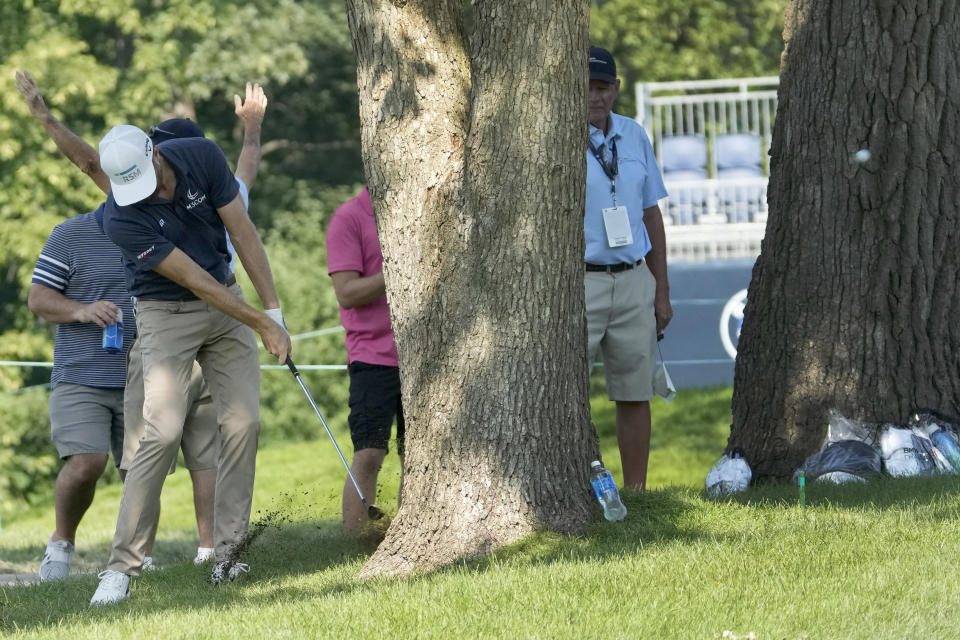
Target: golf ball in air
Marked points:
862	156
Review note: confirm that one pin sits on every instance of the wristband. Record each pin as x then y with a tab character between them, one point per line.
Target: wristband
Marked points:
277	316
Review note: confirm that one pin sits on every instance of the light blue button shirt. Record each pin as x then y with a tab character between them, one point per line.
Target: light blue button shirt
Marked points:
639	186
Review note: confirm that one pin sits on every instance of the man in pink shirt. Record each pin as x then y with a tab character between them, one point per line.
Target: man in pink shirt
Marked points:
355	264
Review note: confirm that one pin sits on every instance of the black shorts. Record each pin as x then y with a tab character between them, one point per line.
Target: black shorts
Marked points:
374	402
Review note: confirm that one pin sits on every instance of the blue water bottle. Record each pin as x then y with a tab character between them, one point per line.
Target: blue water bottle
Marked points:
948	447
113	335
606	491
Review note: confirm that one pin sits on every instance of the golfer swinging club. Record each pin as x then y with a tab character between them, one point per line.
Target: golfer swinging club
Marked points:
202	444
167	210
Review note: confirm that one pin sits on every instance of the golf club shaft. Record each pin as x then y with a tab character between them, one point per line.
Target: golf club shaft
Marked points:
296	374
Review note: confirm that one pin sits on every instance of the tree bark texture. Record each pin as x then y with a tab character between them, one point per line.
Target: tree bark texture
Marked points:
474	129
854	302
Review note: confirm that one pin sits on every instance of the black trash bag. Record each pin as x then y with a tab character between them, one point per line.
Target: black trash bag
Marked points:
843	461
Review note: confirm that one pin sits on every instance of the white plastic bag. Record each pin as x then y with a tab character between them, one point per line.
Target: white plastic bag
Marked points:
730	474
662	383
906	452
840	428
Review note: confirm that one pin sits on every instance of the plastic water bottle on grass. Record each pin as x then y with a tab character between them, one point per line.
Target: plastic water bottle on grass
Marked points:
606	491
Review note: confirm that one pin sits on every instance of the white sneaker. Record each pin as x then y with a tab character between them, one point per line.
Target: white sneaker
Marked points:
148	564
227	570
114	587
56	561
204	554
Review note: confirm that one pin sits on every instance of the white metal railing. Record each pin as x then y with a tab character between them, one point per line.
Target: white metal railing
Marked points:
711	241
715	219
715	201
708	108
723	213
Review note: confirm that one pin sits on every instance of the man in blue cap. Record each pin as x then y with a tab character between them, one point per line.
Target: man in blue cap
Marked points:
626	286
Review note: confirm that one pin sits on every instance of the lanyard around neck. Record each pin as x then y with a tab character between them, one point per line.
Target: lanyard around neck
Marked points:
611	168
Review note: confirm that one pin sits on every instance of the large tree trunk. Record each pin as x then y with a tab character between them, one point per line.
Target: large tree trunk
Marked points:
474	130
854	301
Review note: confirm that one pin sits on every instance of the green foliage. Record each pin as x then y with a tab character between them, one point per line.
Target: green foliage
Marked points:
687	40
28	461
30	346
104	62
37	190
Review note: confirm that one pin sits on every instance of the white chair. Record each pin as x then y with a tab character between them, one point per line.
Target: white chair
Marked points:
684	153
739	151
684	160
740	172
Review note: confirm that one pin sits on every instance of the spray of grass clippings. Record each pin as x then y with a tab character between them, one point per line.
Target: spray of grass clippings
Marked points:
272	518
286	514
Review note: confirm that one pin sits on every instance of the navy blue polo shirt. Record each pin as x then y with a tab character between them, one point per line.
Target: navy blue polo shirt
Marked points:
148	231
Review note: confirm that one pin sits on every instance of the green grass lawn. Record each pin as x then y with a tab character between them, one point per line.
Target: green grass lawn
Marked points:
867	561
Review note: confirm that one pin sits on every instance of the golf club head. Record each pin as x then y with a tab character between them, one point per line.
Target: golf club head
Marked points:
374	512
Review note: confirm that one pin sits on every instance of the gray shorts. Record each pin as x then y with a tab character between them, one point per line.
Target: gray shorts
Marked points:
86	420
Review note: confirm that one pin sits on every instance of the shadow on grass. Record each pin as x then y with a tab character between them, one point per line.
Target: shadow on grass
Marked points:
652	520
24	557
881	493
658	518
298	548
304	547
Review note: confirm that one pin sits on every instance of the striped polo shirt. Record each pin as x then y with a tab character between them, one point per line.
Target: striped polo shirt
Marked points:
81	263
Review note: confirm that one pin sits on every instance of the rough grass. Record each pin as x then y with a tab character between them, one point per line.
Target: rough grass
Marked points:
867	561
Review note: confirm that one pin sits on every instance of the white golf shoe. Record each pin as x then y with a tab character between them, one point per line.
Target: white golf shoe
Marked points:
114	587
56	561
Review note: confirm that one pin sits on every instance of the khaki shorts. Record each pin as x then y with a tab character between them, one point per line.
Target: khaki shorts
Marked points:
86	420
200	441
622	325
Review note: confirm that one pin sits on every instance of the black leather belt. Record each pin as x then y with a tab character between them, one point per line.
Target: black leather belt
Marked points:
613	268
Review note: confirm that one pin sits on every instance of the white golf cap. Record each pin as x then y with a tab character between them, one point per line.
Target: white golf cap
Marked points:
126	155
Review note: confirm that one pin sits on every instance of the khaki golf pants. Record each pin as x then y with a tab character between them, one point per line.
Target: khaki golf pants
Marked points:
621	323
201	433
172	335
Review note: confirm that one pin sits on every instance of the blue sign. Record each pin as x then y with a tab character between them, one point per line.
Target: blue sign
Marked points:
700	344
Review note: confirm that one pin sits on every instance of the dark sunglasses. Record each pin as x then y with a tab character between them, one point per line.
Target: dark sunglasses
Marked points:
152	131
